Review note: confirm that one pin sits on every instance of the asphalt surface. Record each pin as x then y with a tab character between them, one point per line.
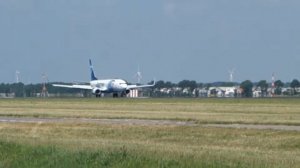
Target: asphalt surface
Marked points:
256	126
97	121
145	123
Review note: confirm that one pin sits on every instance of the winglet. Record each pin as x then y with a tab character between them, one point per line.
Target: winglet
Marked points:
154	82
92	71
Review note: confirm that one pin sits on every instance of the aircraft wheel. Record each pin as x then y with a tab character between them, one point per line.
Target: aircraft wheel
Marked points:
115	95
123	94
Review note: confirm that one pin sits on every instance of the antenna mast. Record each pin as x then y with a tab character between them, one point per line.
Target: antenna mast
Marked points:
44	92
273	84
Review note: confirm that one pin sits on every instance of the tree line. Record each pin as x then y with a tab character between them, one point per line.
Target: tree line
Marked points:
34	90
183	88
263	85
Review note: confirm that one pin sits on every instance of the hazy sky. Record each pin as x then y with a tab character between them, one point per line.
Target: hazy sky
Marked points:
170	40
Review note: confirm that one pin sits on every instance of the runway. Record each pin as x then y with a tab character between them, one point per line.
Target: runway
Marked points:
256	126
144	122
96	121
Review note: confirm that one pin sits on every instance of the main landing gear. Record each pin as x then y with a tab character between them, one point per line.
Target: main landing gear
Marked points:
123	94
99	95
115	95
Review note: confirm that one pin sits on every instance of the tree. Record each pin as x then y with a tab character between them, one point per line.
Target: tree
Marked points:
263	87
247	88
160	84
187	84
192	85
169	84
278	87
295	84
200	85
183	84
4	88
18	89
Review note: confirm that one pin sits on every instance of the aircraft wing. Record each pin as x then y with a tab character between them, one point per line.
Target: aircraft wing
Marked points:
88	87
140	86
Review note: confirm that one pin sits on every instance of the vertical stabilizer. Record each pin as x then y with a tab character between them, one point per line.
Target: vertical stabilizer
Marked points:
92	72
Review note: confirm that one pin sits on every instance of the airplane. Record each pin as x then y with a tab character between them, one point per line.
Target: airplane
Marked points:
101	86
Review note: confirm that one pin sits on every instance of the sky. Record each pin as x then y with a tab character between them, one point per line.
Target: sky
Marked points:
170	40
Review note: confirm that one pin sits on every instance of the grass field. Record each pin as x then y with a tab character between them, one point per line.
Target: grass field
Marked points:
123	145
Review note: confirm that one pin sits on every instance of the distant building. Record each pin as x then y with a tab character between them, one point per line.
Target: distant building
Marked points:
202	92
222	92
7	95
133	93
256	93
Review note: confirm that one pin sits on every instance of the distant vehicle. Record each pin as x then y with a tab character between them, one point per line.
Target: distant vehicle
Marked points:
118	87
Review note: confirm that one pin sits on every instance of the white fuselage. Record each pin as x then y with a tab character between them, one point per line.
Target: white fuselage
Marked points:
109	85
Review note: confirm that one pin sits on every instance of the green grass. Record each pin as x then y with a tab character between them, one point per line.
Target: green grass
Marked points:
113	145
49	156
150	146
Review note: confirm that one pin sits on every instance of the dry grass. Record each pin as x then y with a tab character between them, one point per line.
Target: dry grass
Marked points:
254	111
188	146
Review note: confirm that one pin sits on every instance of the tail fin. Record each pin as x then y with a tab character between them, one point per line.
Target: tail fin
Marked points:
92	72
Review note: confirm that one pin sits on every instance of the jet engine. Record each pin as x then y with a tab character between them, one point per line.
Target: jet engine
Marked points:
124	93
97	92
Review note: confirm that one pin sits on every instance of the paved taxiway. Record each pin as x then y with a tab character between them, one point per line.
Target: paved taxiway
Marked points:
144	122
97	121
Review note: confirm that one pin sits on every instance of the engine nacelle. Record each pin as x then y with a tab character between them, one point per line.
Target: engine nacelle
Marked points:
127	91
96	92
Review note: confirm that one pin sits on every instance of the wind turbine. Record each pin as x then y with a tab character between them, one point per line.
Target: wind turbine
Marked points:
138	75
17	76
231	73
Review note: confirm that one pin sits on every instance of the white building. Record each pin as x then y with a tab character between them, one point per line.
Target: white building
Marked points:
222	91
133	93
